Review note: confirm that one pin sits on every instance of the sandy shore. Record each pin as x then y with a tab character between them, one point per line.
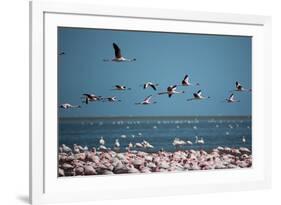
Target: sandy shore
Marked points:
110	162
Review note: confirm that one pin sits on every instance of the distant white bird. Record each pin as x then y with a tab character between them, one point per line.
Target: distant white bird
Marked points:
102	148
199	141
177	142
186	82
121	87
118	56
231	99
150	84
102	141
116	144
68	106
171	90
146	101
79	147
147	144
76	149
240	88
129	147
198	96
66	149
189	142
86	148
244	139
139	145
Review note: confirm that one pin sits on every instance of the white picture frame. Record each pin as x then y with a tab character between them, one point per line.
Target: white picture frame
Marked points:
45	17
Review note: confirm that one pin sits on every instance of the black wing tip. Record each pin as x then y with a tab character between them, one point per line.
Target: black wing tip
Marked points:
153	87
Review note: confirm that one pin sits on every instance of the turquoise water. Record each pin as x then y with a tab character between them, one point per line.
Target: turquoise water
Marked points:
158	131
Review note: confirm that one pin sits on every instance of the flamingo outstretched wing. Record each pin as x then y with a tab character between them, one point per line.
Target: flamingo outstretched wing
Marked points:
117	51
148	98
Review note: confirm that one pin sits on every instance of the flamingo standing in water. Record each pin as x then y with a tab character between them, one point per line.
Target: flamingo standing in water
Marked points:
171	90
150	84
146	144
199	141
102	141
189	142
146	101
68	106
244	139
198	96
186	82
118	56
116	145
130	146
177	142
139	145
231	99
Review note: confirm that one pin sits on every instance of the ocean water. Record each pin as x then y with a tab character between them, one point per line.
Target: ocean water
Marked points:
158	131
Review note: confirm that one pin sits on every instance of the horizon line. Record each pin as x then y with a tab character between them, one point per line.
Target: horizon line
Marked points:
160	116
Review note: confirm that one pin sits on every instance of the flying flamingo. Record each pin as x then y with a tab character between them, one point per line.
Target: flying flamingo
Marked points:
68	106
171	90
198	96
91	98
150	84
118	56
121	87
240	88
186	82
231	99
146	101
112	99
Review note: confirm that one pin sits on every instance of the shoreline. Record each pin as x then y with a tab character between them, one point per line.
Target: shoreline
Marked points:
180	117
110	162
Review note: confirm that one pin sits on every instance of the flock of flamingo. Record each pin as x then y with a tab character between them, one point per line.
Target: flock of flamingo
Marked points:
84	161
170	91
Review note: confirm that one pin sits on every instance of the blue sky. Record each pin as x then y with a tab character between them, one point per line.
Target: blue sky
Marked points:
214	61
